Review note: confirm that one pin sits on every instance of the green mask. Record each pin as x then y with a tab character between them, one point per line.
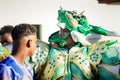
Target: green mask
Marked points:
55	38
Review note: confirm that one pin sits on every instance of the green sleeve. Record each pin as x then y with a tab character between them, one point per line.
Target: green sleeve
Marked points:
99	30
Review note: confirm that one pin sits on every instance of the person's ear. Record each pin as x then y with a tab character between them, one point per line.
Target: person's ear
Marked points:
28	43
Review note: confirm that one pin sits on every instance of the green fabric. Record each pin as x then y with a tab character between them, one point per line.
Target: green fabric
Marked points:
68	68
105	75
111	42
62	63
56	39
2	53
111	56
63	19
64	66
83	20
88	28
83	26
76	71
58	71
99	30
38	60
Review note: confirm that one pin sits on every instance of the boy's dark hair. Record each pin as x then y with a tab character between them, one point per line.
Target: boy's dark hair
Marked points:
22	30
6	29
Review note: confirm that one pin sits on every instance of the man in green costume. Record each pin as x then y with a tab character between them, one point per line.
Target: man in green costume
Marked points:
66	58
78	22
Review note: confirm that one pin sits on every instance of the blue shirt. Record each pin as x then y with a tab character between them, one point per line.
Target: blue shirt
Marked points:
11	70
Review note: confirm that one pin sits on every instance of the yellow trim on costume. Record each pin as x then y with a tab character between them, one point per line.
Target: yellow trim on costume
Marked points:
51	71
58	54
110	64
6	52
93	49
45	45
95	45
2	57
50	74
39	67
76	77
110	72
59	76
83	66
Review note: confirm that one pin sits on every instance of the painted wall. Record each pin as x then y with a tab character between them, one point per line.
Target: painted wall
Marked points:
45	12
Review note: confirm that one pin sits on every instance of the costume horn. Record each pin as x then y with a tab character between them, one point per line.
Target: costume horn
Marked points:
81	13
71	20
61	8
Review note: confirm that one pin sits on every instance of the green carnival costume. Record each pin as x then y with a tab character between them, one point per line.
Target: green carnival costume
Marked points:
90	62
76	21
79	26
79	63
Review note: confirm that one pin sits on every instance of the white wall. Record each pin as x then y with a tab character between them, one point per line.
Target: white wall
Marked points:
45	12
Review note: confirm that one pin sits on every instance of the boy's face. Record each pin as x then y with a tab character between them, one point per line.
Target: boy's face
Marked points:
6	39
